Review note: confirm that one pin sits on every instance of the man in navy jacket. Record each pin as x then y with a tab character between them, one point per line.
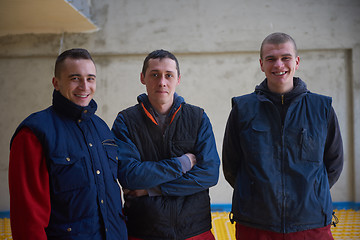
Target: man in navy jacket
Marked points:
282	152
168	158
63	164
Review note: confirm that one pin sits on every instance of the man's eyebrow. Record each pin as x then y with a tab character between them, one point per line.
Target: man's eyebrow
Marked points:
79	75
157	70
74	75
167	71
283	55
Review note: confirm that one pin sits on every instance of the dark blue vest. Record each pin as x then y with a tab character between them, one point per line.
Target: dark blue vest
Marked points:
81	157
166	217
282	183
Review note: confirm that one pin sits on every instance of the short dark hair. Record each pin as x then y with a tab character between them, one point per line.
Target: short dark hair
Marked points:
160	54
277	38
75	53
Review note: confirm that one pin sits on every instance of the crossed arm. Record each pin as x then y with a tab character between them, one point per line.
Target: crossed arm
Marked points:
168	175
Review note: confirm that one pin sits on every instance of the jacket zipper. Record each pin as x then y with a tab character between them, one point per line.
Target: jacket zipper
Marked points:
173	207
283	180
283	170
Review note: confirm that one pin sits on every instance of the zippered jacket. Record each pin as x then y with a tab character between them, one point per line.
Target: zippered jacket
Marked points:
149	159
280	163
81	158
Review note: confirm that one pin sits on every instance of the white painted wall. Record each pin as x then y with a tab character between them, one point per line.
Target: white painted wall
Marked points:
217	44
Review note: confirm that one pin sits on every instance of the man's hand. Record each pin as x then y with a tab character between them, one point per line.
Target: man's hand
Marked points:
192	159
135	193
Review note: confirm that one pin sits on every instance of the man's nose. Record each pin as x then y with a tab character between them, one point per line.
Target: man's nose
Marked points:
82	83
162	81
278	63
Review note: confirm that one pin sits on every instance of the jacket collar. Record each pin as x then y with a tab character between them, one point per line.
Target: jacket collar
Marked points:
264	92
69	109
149	110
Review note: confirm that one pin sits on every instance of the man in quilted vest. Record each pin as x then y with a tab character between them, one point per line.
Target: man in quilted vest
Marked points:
168	158
282	152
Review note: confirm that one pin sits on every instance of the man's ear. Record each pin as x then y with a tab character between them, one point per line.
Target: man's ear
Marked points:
55	83
261	64
297	60
142	78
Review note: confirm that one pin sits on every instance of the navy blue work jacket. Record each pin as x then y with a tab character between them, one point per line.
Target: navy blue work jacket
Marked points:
82	161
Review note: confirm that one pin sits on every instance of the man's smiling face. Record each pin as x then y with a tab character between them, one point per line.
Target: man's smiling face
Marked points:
77	80
279	63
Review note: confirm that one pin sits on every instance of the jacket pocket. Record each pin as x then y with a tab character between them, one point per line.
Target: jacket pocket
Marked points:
68	173
260	142
309	147
111	149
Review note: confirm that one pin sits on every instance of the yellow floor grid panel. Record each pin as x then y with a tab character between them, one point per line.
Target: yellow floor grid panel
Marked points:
5	230
348	227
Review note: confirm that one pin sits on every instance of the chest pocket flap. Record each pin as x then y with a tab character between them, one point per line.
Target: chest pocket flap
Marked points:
68	172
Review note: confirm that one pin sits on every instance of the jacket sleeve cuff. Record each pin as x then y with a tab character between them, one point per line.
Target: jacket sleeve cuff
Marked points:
185	163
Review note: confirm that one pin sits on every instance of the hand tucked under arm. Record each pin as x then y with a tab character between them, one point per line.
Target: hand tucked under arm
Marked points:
136	173
187	161
205	173
135	193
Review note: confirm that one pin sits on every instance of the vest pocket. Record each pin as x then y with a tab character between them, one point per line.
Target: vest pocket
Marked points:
68	173
309	148
260	142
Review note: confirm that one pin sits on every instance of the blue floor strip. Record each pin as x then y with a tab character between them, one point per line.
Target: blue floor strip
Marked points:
4	214
347	205
226	207
337	205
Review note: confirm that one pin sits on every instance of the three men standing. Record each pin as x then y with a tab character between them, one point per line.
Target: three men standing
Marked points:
282	152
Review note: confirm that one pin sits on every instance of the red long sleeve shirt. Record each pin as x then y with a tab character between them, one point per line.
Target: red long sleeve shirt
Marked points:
29	188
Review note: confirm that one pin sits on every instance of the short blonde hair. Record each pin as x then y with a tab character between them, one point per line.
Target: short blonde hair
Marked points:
277	38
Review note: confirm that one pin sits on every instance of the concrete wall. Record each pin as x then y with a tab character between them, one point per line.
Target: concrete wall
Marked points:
217	45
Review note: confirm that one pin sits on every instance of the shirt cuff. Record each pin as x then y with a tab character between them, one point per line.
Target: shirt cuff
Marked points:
185	163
